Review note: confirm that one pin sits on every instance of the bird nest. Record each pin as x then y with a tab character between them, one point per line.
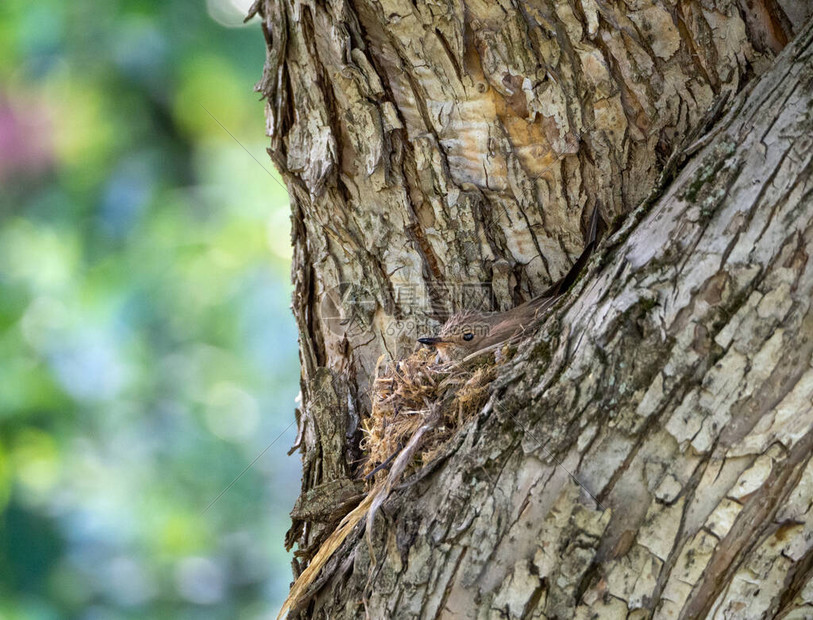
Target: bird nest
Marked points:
417	406
415	392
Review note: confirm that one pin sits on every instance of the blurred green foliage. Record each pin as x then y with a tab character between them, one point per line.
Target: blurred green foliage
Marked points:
147	352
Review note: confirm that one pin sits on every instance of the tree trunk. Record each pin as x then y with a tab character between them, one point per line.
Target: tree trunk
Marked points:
647	451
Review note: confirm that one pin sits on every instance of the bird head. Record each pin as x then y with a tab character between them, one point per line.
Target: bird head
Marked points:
461	335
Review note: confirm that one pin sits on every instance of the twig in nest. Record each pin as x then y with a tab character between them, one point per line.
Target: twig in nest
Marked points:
417	405
385	463
333	542
403	459
368	507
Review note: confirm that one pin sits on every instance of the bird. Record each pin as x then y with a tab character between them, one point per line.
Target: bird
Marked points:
469	332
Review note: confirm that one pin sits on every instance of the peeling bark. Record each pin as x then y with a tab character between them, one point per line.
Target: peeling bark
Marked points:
468	142
647	452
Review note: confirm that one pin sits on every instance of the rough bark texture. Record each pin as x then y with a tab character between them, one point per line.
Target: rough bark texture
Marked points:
466	142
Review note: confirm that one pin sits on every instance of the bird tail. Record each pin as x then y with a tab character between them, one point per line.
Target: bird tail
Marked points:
570	277
533	308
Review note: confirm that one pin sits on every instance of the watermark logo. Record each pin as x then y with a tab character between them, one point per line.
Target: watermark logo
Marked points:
348	308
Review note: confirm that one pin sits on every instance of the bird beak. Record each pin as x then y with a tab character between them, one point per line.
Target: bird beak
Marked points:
430	340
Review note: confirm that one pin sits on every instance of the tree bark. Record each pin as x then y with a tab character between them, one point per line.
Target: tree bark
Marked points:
647	452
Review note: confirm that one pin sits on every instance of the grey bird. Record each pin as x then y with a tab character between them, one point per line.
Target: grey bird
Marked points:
468	332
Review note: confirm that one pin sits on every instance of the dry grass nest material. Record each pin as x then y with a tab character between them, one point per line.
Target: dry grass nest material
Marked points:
407	395
406	392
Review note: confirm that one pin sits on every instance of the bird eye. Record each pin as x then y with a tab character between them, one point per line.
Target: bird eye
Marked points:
468	336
